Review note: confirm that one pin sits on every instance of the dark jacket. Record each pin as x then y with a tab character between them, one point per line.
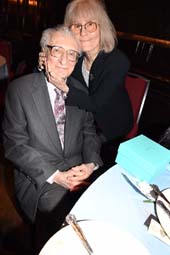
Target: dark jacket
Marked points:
32	142
107	97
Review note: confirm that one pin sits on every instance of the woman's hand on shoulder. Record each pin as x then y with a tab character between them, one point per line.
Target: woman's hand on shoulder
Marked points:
41	61
58	82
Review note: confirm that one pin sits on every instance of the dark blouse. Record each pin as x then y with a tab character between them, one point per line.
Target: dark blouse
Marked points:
106	96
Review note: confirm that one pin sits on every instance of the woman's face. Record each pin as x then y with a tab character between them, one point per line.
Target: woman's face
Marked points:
87	32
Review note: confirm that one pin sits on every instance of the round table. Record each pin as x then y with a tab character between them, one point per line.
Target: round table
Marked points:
113	199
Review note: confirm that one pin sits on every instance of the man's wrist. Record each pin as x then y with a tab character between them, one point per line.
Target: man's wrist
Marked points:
96	166
51	178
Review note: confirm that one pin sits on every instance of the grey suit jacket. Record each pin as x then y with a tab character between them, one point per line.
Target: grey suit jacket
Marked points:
31	139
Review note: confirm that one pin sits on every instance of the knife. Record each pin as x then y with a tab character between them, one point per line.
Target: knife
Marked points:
141	187
71	220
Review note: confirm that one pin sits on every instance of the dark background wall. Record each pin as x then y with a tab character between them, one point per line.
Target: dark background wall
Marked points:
22	26
141	17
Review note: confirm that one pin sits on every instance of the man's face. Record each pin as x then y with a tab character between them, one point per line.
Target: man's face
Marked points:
61	59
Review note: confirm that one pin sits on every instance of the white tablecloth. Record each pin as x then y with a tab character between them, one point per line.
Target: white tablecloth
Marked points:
112	198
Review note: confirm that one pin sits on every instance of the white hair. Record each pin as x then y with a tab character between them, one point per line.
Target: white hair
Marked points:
49	32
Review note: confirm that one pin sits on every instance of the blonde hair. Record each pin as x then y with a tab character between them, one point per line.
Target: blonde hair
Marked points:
95	10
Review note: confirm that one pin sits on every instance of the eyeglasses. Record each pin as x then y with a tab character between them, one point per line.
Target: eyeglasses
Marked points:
58	51
90	27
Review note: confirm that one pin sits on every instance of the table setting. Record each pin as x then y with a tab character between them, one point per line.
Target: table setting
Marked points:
119	213
102	238
158	225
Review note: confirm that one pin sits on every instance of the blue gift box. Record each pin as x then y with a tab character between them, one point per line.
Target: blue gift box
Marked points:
143	158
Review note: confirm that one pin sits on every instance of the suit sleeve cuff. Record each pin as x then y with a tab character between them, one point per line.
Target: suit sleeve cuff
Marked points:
51	178
96	167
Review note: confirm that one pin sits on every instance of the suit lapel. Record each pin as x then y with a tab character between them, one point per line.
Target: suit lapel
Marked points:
43	104
77	84
97	71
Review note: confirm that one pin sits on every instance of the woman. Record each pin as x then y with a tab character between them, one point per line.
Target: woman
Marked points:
101	70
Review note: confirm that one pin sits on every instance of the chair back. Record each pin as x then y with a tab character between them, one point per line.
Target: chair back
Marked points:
6	51
137	87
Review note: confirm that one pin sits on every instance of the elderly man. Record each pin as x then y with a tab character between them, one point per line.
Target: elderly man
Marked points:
54	148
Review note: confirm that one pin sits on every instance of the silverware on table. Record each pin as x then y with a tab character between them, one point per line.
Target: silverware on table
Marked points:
165	209
150	191
157	192
71	220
